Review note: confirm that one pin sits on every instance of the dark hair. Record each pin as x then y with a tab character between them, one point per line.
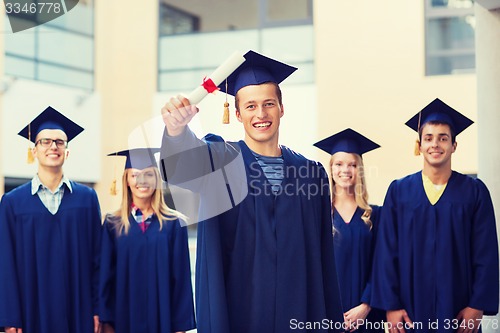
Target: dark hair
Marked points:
278	93
435	122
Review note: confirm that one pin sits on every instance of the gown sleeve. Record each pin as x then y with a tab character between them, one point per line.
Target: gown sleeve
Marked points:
96	251
184	160
385	276
10	305
484	254
182	293
331	284
375	218
107	279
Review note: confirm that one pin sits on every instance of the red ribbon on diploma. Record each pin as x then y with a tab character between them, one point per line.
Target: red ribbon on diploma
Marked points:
209	85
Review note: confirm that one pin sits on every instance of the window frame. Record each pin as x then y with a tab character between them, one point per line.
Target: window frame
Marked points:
431	13
38	62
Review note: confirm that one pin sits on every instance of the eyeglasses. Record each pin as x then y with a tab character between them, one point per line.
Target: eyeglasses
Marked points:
47	143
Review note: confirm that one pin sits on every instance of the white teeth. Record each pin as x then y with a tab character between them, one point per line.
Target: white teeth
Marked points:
260	125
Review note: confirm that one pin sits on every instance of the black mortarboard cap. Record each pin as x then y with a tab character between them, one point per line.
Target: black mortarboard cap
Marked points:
138	158
347	141
50	118
441	112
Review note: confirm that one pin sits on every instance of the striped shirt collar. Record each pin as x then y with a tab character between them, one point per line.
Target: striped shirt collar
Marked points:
36	183
141	220
138	215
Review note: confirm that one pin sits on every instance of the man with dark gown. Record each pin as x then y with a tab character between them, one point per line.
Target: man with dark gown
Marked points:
436	259
266	264
50	233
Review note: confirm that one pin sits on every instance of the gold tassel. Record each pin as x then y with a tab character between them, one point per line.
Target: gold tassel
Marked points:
112	189
416	152
30	158
225	117
417	148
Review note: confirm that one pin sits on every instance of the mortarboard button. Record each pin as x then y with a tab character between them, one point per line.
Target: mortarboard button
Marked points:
347	141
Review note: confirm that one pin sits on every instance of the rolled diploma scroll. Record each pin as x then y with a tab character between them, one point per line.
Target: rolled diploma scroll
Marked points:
219	75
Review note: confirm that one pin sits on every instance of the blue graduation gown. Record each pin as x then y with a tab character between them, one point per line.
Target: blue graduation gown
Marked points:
267	264
145	281
354	245
50	263
433	261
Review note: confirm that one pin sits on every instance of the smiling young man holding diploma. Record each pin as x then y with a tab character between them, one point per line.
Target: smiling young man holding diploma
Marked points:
267	261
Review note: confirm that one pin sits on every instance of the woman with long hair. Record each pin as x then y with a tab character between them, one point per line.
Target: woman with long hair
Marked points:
145	278
354	225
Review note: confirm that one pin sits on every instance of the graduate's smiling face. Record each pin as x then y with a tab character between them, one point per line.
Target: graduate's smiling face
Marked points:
52	156
259	109
436	145
344	168
142	183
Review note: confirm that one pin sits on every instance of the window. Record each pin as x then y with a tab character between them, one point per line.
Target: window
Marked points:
450	29
195	35
185	16
176	21
285	12
60	51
